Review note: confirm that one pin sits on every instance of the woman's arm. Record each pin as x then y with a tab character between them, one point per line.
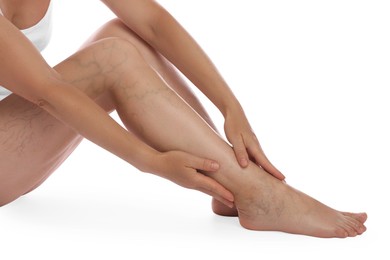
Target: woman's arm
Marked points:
157	27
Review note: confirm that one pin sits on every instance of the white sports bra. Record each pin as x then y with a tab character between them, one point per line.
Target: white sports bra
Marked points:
39	34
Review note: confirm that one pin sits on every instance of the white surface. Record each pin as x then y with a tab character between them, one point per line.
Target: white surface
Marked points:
321	73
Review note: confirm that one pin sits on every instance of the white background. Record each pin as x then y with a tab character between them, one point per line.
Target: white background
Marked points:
313	77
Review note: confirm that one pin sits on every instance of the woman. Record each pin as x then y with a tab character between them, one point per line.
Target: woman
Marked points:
127	65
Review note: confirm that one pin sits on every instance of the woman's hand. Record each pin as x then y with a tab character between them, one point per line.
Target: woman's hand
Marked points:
185	170
245	144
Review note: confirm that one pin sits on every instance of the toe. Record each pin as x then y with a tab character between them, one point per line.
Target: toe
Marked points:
356	227
361	217
341	232
362	229
351	232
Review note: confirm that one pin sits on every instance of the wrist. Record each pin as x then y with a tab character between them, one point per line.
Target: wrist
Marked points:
231	107
146	161
154	163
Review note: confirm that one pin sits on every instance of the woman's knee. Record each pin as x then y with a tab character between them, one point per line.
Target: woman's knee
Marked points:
117	29
99	65
115	54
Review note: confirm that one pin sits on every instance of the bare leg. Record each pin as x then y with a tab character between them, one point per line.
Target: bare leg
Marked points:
160	117
145	104
115	28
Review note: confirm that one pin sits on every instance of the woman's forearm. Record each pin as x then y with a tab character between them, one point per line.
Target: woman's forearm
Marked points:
177	45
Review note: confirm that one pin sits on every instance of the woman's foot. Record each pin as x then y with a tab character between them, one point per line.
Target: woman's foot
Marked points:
272	205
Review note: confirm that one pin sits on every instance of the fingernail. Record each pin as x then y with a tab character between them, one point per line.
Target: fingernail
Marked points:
229	204
214	166
244	162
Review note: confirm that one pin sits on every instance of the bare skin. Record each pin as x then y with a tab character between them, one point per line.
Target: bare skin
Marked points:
115	75
144	104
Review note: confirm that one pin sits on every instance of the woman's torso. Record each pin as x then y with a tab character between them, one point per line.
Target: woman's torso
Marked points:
33	18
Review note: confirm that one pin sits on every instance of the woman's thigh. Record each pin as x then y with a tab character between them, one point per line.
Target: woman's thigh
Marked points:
32	142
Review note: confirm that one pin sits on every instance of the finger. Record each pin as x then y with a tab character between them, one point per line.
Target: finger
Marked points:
263	161
203	164
213	188
240	151
269	167
222	200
